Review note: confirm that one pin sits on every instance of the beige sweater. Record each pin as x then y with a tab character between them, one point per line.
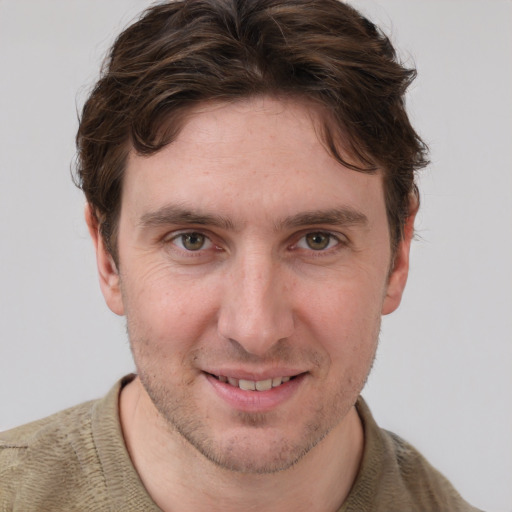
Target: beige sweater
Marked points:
76	460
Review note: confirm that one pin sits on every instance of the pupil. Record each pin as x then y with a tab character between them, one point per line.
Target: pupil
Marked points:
193	241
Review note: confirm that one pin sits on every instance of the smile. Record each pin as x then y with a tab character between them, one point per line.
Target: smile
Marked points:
253	385
258	394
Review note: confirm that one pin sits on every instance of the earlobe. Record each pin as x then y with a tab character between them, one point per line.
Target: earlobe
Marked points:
400	271
107	269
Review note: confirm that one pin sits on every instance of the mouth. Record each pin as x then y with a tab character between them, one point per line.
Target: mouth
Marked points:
254	385
254	393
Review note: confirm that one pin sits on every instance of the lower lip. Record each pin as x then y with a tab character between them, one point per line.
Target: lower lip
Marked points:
255	401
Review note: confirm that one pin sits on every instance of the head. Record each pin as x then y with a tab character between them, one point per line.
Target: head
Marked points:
184	53
249	169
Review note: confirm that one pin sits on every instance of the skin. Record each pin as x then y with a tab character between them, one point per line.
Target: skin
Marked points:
247	251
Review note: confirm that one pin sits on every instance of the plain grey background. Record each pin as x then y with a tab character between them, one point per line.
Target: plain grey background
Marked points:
443	375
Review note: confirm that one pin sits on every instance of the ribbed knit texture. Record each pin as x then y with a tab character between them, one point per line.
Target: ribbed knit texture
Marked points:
76	460
395	477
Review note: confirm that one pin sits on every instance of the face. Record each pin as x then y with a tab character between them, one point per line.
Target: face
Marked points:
253	272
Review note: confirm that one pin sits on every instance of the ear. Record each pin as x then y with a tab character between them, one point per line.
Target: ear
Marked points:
398	276
107	269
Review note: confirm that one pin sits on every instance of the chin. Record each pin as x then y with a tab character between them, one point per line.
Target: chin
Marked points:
253	453
256	445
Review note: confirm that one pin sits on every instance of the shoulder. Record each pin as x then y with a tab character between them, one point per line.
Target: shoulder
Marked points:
395	476
24	435
418	481
41	461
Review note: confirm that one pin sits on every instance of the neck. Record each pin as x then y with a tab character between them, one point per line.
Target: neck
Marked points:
178	477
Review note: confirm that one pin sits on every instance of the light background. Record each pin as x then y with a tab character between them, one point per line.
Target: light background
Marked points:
443	375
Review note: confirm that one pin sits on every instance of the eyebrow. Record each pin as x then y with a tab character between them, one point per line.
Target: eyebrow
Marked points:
335	216
173	214
178	215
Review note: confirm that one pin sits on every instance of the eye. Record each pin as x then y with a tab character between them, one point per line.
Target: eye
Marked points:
192	241
318	241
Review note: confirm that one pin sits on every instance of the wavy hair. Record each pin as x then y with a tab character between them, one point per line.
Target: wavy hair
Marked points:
181	53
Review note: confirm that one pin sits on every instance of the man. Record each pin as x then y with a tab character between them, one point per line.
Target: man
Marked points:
249	175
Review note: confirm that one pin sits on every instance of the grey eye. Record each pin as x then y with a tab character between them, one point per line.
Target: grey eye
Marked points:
318	241
191	241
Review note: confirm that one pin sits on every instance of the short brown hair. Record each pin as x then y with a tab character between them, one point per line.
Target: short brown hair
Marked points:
185	52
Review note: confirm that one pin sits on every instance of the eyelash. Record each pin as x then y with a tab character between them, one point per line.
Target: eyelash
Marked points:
328	249
339	243
190	233
175	243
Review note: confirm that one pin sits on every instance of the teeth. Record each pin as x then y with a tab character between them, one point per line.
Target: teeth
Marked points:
251	385
247	385
264	385
277	381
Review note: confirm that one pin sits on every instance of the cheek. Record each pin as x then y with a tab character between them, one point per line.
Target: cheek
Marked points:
345	317
166	311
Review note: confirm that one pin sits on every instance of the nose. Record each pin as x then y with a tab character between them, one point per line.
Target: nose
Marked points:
256	310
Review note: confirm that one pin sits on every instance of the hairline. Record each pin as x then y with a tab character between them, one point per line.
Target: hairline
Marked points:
319	115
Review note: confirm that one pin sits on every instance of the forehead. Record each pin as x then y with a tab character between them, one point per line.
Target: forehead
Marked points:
240	128
262	151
